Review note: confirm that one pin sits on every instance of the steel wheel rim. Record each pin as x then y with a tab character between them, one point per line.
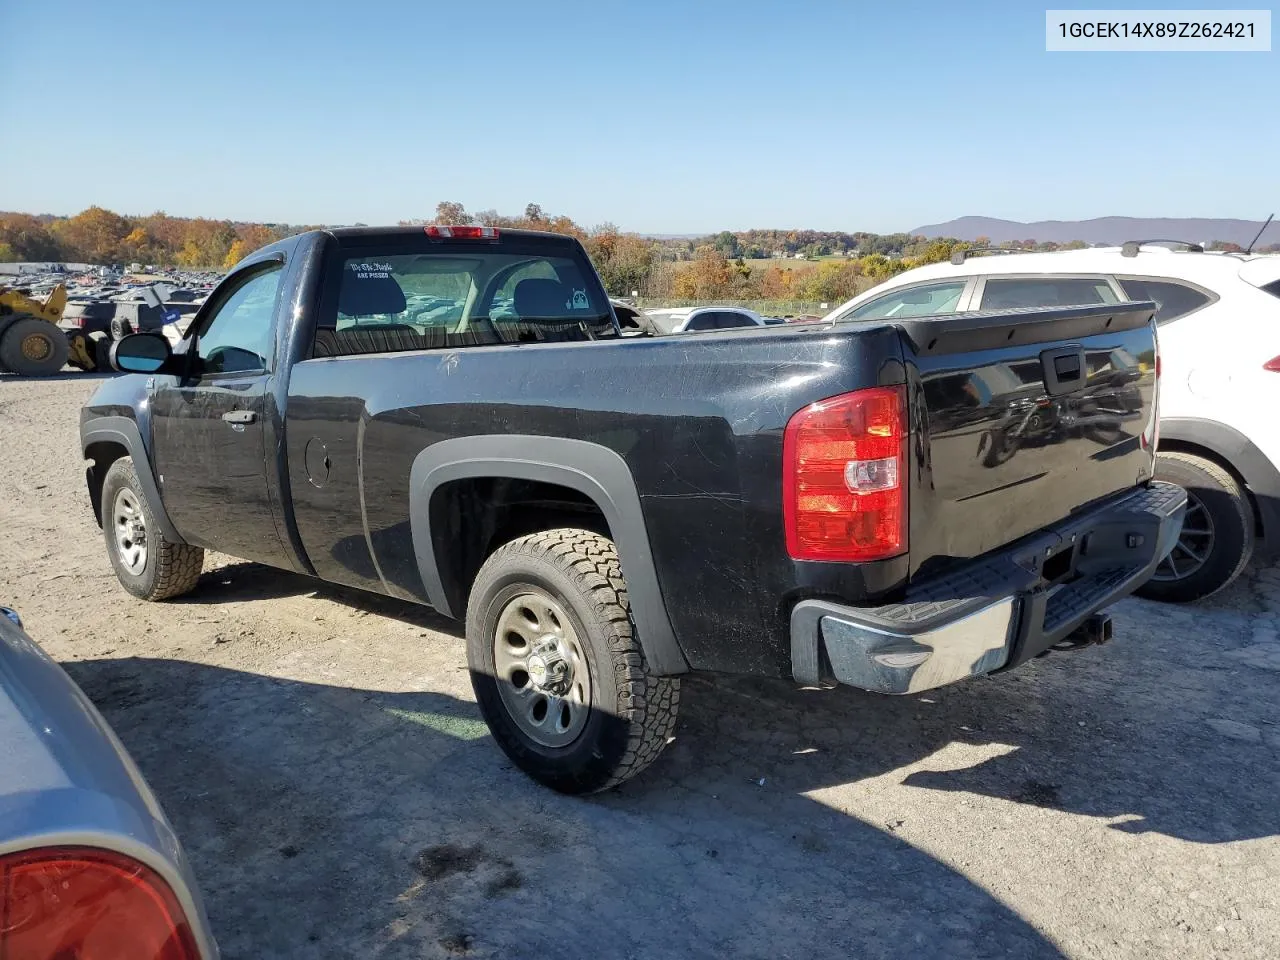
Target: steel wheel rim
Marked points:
36	346
130	529
541	669
1195	543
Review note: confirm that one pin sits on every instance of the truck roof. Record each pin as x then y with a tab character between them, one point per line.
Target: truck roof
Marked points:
417	230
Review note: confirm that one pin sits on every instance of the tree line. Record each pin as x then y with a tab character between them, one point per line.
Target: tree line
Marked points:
783	265
101	236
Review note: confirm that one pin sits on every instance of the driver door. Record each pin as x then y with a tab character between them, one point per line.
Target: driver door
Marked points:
208	429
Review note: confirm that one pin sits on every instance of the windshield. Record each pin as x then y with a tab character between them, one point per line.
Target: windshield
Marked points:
467	294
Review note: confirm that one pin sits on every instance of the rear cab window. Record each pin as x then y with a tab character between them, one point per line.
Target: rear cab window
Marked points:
412	292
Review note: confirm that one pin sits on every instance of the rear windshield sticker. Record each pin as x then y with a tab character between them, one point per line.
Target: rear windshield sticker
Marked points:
579	301
371	271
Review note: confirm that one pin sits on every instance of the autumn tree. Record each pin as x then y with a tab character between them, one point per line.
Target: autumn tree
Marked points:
624	261
28	239
254	235
451	213
95	234
235	253
708	277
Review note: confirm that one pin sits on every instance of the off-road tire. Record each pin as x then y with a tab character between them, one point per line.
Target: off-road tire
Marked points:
1229	511
52	341
632	714
120	328
172	569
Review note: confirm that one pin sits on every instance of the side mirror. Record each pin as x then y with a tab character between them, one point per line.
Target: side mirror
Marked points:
140	353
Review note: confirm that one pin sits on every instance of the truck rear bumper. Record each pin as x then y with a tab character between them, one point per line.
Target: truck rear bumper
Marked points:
997	611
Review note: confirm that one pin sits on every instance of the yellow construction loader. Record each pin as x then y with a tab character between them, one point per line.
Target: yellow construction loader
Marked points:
31	343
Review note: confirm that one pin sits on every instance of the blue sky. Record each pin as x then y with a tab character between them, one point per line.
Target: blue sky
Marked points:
659	116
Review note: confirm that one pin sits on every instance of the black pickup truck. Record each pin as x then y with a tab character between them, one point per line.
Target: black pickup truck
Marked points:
452	416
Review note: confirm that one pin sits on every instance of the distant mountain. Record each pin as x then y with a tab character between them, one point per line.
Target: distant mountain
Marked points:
1109	230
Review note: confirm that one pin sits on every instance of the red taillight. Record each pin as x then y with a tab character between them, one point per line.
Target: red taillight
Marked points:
1273	365
462	233
844	476
74	902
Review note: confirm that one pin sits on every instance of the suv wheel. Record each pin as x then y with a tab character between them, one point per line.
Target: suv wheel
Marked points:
146	564
558	673
1217	534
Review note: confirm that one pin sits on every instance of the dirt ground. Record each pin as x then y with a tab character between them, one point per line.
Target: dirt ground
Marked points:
322	758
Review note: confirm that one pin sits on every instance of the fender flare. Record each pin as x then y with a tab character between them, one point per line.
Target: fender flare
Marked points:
1231	446
125	433
591	469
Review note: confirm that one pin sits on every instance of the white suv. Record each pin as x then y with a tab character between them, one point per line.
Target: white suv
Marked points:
1219	319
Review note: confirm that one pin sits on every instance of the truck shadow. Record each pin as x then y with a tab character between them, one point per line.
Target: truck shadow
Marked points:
1131	733
244	580
331	821
328	821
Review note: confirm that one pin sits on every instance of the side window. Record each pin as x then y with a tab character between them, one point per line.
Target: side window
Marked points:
1045	292
927	300
1172	299
237	338
703	321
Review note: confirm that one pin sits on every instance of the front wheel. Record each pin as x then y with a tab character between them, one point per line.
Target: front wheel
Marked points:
146	564
1217	535
557	671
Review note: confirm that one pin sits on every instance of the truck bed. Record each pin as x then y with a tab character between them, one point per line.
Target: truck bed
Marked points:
700	431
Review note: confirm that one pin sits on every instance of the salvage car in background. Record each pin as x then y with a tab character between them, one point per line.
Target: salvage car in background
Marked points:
694	319
89	865
1219	322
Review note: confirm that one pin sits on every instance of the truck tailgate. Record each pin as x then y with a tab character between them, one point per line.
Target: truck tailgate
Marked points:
1021	417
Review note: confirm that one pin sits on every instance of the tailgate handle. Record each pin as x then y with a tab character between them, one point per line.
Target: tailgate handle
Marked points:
240	416
1064	369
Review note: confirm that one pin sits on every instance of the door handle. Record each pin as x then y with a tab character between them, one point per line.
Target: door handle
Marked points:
240	416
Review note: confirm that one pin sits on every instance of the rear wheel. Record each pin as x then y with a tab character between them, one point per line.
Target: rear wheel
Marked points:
33	348
555	665
1217	535
146	564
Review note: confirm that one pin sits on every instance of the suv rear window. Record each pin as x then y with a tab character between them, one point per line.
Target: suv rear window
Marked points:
418	294
1045	292
1172	299
1272	288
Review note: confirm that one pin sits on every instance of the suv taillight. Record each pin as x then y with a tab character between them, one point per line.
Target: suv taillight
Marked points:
61	902
1273	365
844	476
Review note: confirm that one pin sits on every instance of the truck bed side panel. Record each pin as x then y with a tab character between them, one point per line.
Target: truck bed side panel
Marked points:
698	421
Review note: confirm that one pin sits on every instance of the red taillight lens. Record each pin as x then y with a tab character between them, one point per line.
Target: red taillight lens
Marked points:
844	476
1273	365
70	902
462	233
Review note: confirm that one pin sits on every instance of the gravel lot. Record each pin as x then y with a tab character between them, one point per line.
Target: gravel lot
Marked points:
319	751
